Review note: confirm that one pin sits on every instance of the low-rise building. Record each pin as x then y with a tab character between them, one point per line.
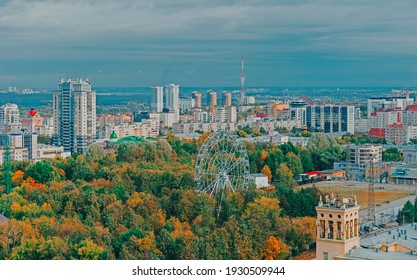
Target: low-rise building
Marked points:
260	180
410	155
17	154
147	128
3	219
50	152
403	174
398	243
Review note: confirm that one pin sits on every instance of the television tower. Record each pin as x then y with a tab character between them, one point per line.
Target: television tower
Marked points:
242	83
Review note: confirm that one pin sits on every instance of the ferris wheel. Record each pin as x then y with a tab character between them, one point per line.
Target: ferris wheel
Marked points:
222	164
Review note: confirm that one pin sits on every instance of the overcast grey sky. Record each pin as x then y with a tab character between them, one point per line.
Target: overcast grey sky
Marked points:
200	43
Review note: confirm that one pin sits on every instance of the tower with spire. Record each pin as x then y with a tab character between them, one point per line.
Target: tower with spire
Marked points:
242	84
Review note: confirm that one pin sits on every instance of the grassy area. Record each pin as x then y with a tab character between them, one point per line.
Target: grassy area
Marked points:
381	195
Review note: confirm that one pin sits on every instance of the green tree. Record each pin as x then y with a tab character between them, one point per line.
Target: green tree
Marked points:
407	214
41	172
306	161
285	176
391	154
256	133
294	163
323	159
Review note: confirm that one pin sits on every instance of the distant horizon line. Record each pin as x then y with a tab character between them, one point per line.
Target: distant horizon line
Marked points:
238	87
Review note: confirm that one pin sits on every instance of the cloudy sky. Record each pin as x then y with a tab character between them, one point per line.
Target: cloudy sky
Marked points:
200	43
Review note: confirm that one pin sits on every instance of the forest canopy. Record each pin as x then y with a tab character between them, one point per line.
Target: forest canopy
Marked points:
138	201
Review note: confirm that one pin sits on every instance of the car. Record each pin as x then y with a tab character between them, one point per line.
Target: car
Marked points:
382	225
374	227
366	229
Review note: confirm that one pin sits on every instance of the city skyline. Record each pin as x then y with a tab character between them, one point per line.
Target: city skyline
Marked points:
141	43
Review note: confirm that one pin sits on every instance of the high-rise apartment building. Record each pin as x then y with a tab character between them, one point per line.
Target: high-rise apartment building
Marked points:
9	118
231	114
213	99
227	99
157	99
74	115
172	97
197	96
331	118
221	114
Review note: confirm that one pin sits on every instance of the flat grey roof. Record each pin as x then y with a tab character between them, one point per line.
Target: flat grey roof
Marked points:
368	254
258	175
3	218
392	236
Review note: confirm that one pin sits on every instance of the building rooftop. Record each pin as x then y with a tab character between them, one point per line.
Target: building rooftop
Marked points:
135	139
3	218
260	175
368	254
337	202
405	171
373	245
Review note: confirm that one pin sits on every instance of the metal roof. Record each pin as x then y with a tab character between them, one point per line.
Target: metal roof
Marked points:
3	218
405	235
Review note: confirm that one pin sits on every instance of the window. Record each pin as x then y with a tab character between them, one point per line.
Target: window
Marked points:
326	255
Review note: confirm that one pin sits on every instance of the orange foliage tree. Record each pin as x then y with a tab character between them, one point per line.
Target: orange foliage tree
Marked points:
266	171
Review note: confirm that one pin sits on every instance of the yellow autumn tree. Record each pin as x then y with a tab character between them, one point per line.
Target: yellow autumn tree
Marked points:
271	249
264	154
267	172
17	178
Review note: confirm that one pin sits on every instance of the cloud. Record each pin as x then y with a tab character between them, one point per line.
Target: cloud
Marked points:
208	33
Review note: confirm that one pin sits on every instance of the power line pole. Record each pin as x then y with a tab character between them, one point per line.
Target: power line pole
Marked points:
7	166
371	197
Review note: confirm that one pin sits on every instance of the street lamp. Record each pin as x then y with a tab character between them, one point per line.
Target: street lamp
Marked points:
403	214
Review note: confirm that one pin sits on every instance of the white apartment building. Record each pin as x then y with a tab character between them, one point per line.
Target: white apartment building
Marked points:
200	116
409	115
17	154
186	104
389	102
298	114
362	125
50	152
365	154
9	118
184	128
23	139
382	118
172	92
157	102
148	128
221	114
74	105
231	113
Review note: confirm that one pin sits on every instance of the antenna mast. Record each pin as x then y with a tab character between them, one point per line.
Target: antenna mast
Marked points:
242	83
